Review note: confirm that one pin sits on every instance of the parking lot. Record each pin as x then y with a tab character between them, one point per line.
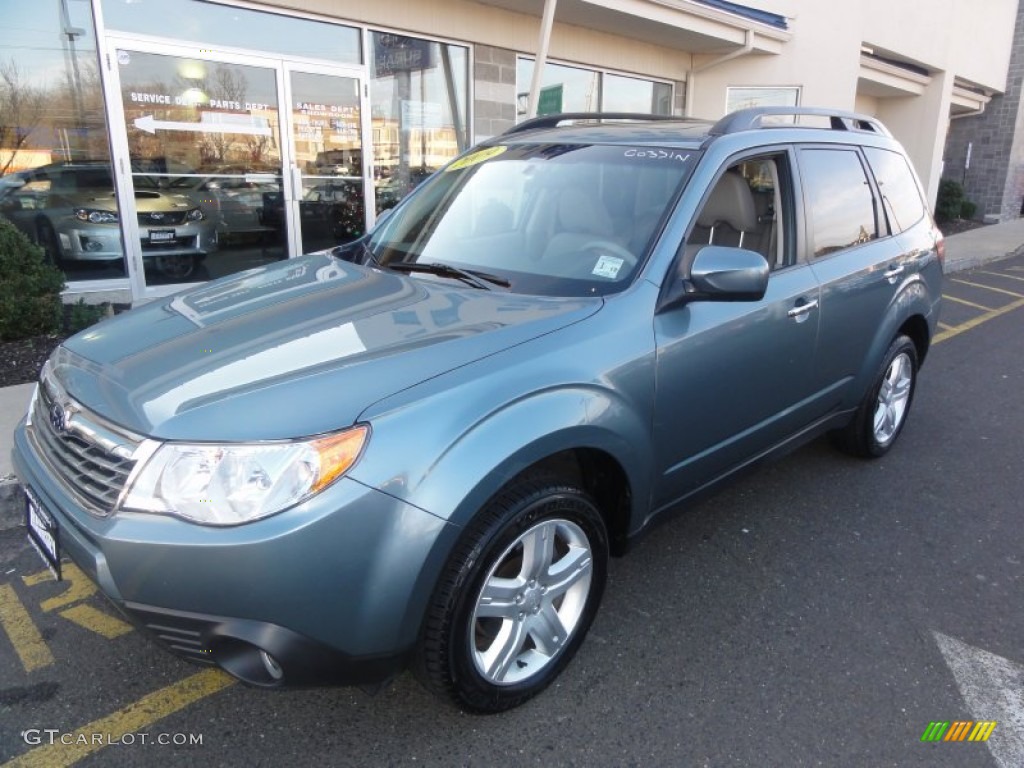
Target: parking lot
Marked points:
822	611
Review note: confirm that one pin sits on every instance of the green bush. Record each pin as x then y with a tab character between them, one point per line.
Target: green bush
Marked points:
968	209
29	287
950	200
80	315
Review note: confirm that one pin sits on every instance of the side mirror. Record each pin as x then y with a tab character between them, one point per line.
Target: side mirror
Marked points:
720	273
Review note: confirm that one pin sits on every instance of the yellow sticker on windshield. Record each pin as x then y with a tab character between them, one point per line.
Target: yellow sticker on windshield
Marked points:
476	157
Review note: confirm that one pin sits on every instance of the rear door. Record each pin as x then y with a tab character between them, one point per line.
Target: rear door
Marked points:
857	263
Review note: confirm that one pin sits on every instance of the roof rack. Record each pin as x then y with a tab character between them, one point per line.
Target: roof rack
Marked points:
552	121
749	119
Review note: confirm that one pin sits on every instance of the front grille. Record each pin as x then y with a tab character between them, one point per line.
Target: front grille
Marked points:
90	457
162	219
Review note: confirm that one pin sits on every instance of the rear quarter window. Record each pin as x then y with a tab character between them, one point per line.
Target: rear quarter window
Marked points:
900	193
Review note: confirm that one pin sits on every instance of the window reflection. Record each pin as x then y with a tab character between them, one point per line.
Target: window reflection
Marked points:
55	180
562	89
203	138
631	94
419	106
242	28
576	89
842	206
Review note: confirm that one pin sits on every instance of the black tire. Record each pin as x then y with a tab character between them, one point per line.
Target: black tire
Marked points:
176	267
46	238
456	643
879	421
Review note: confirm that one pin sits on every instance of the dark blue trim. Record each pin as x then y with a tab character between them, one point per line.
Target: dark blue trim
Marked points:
771	19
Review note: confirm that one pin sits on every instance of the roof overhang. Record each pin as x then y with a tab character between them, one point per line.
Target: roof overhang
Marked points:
884	80
968	99
684	25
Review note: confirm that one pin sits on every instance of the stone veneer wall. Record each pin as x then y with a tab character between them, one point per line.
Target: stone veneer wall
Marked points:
494	92
995	180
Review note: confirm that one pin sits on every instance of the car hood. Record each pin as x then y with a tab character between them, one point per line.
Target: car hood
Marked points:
296	348
146	200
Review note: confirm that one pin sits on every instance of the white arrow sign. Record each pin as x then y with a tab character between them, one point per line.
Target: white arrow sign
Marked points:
993	689
149	125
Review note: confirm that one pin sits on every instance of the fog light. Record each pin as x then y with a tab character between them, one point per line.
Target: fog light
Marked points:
271	665
92	245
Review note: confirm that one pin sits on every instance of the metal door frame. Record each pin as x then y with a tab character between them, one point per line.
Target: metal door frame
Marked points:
282	66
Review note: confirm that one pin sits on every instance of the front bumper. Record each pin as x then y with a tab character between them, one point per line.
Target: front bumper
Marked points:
333	590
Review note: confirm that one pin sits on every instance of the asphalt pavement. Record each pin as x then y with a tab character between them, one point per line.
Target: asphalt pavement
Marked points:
822	611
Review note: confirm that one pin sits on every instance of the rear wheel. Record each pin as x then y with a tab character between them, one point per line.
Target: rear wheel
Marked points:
883	412
517	597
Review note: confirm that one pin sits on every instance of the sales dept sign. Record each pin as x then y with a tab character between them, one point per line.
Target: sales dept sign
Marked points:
394	53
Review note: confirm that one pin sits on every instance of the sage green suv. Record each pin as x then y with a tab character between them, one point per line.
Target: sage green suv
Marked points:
420	449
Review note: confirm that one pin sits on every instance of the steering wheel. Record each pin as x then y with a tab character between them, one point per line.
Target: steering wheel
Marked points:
611	248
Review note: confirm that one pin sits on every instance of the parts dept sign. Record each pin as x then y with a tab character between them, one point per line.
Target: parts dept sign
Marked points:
192	98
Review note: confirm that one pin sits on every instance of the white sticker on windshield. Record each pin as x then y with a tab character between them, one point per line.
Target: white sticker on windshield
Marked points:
607	266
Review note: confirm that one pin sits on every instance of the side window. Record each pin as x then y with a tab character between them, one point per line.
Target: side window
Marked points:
750	207
839	200
900	193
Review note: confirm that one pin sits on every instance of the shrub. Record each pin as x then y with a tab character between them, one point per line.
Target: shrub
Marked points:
968	209
79	316
950	200
29	287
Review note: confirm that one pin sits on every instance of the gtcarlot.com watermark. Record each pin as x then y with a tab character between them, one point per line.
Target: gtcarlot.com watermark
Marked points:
37	736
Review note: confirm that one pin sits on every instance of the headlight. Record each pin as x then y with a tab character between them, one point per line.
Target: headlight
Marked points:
196	214
231	483
94	216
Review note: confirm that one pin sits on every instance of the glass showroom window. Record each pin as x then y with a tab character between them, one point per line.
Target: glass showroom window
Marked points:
741	98
575	89
55	176
418	95
632	94
562	89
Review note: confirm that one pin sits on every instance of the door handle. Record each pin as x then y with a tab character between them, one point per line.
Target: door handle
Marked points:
892	273
800	311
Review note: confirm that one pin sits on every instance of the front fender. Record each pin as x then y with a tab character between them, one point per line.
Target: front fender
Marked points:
477	462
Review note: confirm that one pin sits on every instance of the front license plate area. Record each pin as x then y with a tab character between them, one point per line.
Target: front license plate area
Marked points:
161	235
43	533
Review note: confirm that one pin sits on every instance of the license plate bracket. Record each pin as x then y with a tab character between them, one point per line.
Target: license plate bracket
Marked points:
161	235
43	533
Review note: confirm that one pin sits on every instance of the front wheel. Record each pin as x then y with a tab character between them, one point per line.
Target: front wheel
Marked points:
883	412
46	238
517	596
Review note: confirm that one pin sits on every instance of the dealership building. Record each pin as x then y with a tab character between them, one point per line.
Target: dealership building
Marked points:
149	144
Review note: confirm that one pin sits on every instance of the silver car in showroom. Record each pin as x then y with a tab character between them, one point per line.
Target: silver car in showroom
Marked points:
421	448
71	211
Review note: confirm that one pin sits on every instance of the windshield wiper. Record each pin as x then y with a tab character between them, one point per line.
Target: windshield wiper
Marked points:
474	277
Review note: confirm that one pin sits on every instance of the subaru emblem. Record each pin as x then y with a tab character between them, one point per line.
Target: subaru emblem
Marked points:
58	418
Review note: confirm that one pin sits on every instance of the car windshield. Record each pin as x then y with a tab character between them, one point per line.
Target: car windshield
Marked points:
551	219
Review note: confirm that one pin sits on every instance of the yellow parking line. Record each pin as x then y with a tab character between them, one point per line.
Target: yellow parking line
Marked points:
96	621
79	586
133	718
990	288
945	326
25	637
966	303
976	321
1000	274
